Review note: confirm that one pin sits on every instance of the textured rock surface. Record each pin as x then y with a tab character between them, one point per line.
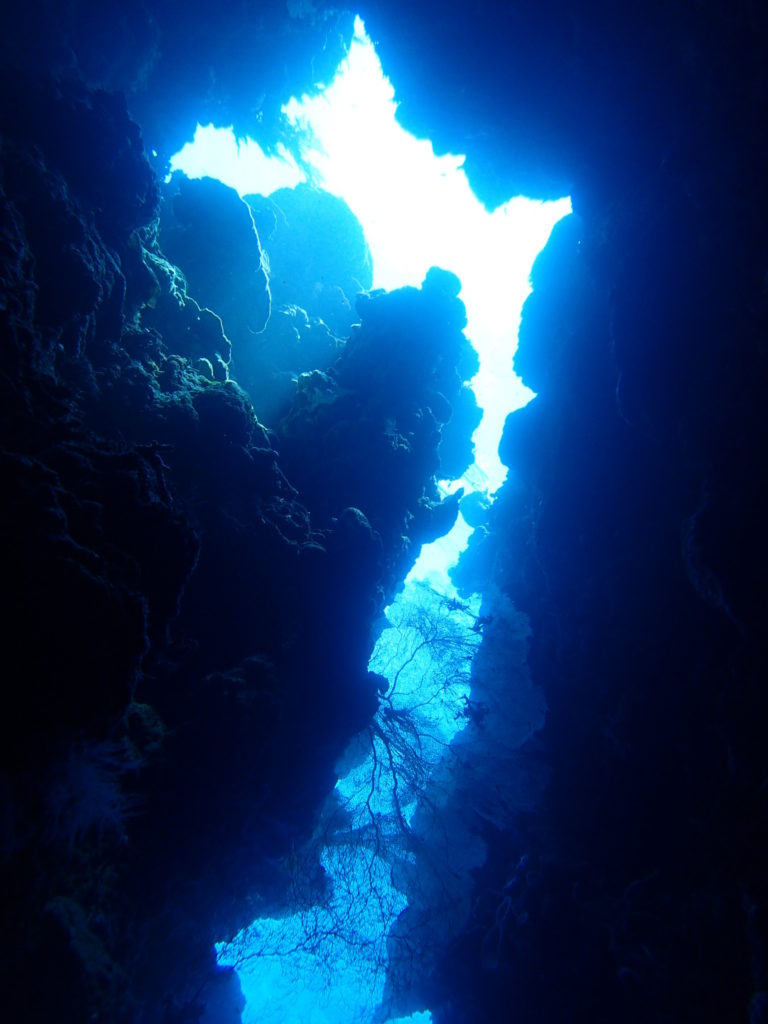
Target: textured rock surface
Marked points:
178	66
208	232
174	701
320	255
364	435
318	262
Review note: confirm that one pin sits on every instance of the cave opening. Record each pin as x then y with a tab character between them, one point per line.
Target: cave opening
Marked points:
338	952
223	450
416	209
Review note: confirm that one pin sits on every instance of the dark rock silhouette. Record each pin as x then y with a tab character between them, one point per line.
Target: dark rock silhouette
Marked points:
176	688
185	703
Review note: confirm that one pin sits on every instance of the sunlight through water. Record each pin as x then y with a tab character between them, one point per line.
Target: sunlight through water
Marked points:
326	963
416	209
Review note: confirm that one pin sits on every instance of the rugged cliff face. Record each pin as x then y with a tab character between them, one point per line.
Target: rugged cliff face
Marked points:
631	528
190	586
186	631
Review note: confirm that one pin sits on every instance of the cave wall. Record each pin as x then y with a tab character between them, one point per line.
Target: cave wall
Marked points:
185	630
630	531
631	528
179	64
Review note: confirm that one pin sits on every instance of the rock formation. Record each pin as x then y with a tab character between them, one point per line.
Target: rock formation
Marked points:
190	583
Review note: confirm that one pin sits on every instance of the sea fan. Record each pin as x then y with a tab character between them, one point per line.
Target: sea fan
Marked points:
85	796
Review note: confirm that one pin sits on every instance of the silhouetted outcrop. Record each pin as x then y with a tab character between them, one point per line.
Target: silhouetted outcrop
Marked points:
175	702
190	585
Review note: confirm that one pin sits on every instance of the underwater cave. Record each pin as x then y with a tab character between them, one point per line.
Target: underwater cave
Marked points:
384	626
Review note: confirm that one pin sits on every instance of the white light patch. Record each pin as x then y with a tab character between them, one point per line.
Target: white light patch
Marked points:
240	163
417	210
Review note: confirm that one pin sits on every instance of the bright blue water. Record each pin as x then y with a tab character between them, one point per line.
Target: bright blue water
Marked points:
326	962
